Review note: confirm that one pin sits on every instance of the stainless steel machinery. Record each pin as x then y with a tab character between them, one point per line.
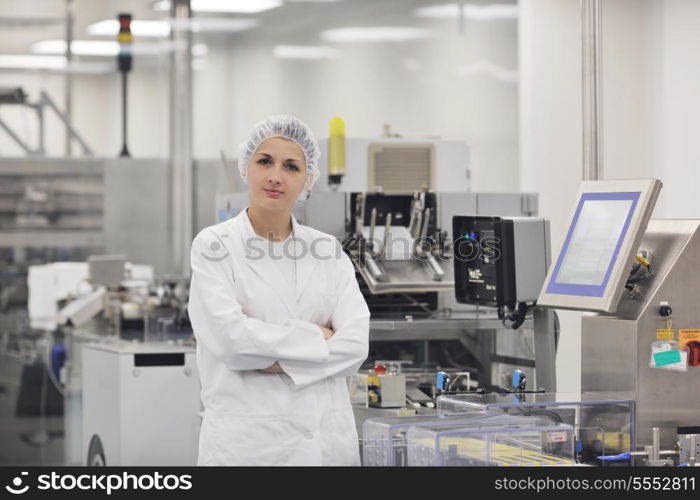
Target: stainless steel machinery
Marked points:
641	277
616	349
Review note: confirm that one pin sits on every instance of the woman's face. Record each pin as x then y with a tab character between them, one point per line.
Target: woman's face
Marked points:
276	174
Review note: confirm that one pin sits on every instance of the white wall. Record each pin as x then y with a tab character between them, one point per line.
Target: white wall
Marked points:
679	68
417	87
550	136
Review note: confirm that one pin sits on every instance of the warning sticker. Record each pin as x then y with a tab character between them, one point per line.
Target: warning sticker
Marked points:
686	335
664	334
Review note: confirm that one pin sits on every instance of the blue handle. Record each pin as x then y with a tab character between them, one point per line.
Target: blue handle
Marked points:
518	380
441	380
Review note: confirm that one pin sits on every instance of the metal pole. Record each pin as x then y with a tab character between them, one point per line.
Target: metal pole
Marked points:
125	150
545	349
16	138
70	128
181	200
41	150
70	14
592	96
124	63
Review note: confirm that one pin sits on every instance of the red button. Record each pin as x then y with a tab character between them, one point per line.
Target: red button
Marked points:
693	353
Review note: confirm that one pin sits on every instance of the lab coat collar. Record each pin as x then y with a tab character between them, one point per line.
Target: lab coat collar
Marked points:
305	264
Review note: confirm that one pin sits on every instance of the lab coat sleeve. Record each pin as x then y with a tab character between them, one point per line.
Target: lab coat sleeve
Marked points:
219	324
349	345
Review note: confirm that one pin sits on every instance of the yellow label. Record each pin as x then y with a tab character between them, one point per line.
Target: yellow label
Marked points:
686	335
664	334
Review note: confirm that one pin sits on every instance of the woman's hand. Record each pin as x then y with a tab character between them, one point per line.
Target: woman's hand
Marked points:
327	332
275	368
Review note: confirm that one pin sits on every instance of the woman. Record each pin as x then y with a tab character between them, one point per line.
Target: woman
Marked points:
278	317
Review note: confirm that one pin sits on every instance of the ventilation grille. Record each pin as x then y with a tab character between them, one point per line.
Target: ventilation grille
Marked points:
400	168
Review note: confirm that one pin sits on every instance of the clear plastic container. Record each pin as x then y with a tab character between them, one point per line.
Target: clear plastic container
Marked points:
505	445
384	438
603	424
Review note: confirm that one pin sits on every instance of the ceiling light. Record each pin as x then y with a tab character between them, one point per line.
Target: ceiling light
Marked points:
309	52
200	50
230	6
78	47
96	47
471	11
217	24
53	63
32	62
110	27
161	29
375	34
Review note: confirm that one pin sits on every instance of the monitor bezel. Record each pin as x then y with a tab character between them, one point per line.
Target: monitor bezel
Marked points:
635	226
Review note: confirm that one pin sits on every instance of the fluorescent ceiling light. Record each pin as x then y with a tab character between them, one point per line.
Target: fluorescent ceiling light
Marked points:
220	24
231	6
310	52
78	47
200	50
110	27
241	6
95	48
106	48
32	62
375	34
471	11
161	29
53	63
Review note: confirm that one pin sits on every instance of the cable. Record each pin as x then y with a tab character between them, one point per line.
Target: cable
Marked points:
642	260
515	318
556	330
416	303
446	313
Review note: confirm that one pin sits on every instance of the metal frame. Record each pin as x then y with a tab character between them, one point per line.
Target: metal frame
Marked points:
44	101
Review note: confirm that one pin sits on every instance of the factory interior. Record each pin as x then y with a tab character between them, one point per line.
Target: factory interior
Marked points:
511	184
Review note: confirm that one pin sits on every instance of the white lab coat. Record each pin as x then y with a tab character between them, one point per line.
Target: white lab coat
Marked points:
245	317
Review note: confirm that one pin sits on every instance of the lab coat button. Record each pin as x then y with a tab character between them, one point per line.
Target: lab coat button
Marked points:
309	435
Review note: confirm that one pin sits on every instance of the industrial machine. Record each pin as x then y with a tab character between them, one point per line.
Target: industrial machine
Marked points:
394	165
140	404
638	405
118	327
640	277
501	262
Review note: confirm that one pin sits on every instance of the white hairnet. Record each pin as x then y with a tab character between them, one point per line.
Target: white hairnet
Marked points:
290	128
